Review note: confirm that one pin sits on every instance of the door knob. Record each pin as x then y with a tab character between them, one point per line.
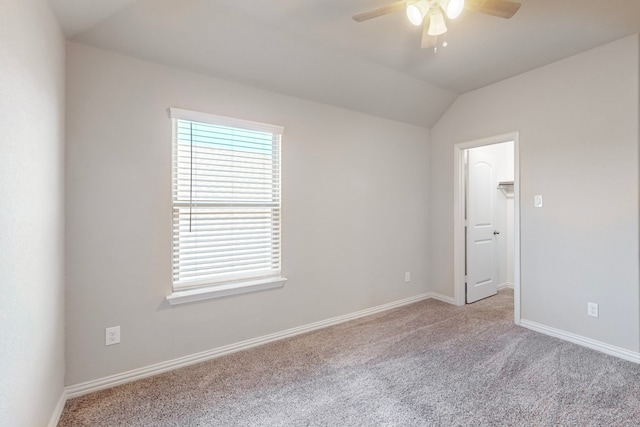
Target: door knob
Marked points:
496	232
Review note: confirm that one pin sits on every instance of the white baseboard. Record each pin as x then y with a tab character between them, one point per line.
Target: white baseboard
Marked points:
57	412
612	350
440	297
505	285
158	368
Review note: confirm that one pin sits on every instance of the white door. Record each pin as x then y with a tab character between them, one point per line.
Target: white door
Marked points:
481	254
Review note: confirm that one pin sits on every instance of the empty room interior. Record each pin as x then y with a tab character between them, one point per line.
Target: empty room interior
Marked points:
329	212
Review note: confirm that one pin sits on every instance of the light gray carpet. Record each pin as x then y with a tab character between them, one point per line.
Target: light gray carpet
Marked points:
427	364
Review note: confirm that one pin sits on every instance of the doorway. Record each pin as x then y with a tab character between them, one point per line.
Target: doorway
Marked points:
487	219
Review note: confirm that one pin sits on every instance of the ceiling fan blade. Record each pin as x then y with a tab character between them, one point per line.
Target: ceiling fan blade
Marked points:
428	41
393	7
500	8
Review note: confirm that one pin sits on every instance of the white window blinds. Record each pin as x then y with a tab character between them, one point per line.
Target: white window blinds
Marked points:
226	199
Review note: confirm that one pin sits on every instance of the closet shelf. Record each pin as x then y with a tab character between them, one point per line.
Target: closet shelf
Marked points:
507	188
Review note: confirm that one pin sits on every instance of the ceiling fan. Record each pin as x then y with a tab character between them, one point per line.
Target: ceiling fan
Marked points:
430	13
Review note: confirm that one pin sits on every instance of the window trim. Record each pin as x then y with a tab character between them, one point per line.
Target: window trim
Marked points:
225	290
196	116
239	286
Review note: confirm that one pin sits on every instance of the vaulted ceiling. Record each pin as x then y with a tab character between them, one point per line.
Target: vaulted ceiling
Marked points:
313	49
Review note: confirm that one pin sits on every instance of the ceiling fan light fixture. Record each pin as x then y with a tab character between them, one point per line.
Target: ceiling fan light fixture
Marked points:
453	8
436	24
416	12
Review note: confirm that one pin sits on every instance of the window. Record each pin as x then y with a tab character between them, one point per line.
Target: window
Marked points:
226	206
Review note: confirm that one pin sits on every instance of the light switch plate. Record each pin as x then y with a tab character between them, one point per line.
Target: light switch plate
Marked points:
537	201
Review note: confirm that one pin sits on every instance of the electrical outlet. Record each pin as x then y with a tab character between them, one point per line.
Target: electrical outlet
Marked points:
112	335
407	277
592	309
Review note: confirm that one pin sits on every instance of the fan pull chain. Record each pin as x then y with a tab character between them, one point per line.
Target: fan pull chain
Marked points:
444	43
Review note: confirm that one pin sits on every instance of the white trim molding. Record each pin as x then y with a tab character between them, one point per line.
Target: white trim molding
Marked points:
221	291
57	412
197	116
459	220
609	349
440	297
158	368
505	285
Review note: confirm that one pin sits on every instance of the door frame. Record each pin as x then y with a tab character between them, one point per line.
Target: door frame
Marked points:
459	221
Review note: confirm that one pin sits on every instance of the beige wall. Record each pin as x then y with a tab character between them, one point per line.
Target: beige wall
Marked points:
32	213
578	124
355	209
359	193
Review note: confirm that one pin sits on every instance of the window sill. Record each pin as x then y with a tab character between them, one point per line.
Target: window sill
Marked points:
221	291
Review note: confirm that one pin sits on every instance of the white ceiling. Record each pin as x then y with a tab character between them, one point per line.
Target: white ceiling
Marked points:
313	49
